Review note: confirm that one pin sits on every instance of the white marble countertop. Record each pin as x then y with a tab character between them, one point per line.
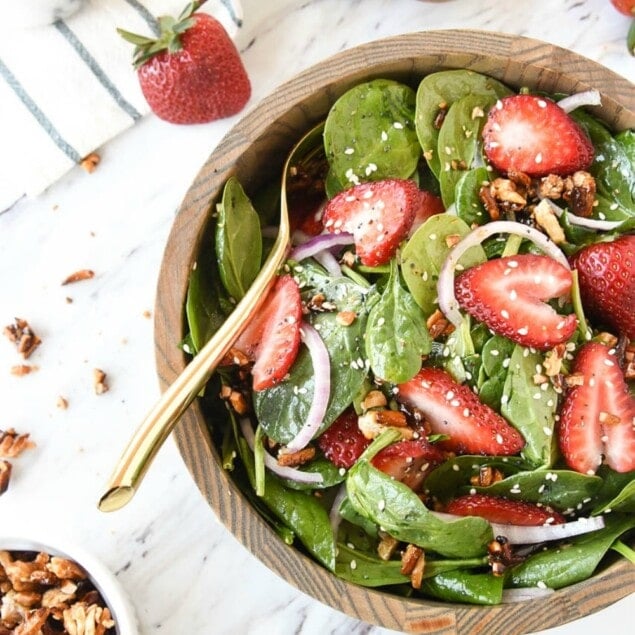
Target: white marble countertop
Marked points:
182	569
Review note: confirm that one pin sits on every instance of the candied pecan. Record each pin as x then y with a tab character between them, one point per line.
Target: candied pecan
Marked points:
506	193
345	318
545	217
23	336
438	325
629	362
5	476
416	577
293	459
374	422
489	202
579	192
501	555
409	558
553	360
440	116
13	444
374	399
550	186
23	369
387	547
487	475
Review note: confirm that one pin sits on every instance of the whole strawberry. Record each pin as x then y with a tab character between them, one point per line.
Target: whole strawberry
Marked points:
193	72
606	273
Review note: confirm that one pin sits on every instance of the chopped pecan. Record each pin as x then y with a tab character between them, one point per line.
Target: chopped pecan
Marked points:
374	399
387	547
501	555
13	444
629	362
438	325
374	422
5	476
545	217
413	562
65	569
90	162
99	381
61	402
293	459
489	202
550	186
23	336
82	618
440	116
76	276
608	418
579	192
553	360
345	318
487	475
23	369
574	379
33	622
507	194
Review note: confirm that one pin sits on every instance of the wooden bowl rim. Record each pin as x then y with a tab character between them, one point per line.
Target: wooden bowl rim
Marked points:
442	49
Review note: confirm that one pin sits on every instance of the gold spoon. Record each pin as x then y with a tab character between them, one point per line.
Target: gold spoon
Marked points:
158	423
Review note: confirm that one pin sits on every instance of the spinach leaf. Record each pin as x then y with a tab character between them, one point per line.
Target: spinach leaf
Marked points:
206	303
459	141
399	511
366	569
468	204
465	587
449	478
613	169
530	408
238	240
563	489
396	335
617	492
331	475
437	92
299	511
567	564
369	570
369	133
423	256
282	410
495	357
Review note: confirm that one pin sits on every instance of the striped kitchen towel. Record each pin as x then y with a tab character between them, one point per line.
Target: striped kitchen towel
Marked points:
68	87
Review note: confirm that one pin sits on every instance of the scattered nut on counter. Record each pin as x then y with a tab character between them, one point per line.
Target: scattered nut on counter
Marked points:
41	593
90	162
76	276
99	381
23	336
12	444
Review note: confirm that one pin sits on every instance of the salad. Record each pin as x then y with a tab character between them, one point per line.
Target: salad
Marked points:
436	397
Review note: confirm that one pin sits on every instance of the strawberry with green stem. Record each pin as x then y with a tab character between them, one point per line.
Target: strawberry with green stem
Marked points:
191	73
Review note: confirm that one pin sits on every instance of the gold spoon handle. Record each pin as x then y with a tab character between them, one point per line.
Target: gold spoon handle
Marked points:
158	423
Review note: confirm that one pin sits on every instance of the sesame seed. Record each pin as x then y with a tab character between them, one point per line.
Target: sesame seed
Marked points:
513	264
398	125
381	505
353	565
548	431
538	158
349	151
542	103
472	491
499	439
523	330
541	584
505	314
455	467
494	353
455	403
384	136
449	395
537	396
513	295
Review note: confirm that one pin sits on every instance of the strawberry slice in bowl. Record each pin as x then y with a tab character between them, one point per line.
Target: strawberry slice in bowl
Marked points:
272	339
503	511
343	442
598	416
379	214
509	295
452	409
533	135
606	274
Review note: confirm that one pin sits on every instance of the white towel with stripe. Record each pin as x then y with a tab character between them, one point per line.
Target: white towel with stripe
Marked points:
69	87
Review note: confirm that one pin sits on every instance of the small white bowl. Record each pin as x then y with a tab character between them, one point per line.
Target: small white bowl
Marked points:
103	579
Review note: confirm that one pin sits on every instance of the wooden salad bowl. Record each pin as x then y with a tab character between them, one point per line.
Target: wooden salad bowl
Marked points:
254	151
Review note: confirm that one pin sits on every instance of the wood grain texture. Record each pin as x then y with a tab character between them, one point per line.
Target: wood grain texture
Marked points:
254	151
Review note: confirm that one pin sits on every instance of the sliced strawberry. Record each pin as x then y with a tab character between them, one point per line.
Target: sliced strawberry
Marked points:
379	214
532	134
343	442
598	416
429	205
272	338
509	294
503	511
606	273
409	461
454	410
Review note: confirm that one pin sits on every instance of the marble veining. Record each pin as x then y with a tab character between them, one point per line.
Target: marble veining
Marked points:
184	572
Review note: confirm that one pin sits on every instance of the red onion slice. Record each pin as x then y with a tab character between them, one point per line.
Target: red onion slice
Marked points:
589	223
317	244
321	387
285	472
445	285
585	98
329	262
334	515
532	534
